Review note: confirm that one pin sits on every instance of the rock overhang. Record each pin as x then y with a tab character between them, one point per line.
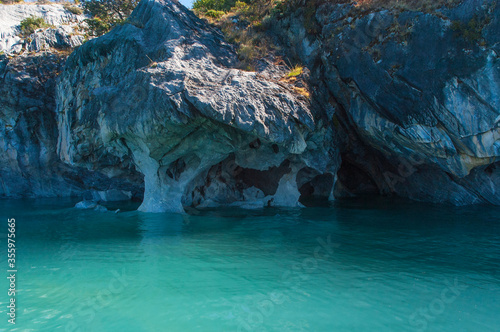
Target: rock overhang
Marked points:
164	90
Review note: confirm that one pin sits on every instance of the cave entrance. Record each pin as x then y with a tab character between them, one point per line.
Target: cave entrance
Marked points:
353	181
314	187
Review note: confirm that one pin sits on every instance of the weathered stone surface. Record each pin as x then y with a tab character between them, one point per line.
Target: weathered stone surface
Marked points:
29	164
91	205
12	15
164	91
402	105
417	100
61	38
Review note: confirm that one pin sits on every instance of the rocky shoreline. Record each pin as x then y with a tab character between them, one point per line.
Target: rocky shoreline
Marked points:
401	104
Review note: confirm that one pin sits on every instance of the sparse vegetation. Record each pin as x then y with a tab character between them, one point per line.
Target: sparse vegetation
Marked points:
73	9
30	24
296	71
302	91
106	14
152	64
471	31
215	14
96	27
244	24
10	2
202	6
247	23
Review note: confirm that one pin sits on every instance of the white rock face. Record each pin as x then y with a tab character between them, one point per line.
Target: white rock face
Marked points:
12	15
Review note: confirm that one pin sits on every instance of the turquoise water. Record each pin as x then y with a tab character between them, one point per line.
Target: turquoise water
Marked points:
370	265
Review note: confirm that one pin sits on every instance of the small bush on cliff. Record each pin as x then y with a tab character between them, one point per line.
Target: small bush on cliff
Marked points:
215	14
97	27
296	71
203	6
247	24
73	9
106	14
30	24
471	31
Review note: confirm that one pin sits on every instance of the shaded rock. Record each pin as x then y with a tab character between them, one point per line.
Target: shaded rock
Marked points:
86	205
402	104
59	38
416	103
92	205
29	164
100	208
112	195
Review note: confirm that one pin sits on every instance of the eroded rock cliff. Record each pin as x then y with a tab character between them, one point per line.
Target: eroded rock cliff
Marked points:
56	16
403	102
416	95
29	164
164	90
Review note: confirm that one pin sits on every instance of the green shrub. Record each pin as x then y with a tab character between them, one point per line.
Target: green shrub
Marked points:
296	71
246	23
8	2
240	6
106	14
471	31
203	6
206	5
30	24
247	52
215	14
73	9
97	27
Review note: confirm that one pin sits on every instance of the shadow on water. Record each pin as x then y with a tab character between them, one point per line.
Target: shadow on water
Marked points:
367	231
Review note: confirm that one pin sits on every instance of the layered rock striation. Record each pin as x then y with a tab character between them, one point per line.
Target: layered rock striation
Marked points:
29	164
416	96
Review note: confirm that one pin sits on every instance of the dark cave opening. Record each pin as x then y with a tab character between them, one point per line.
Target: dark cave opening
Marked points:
353	181
314	187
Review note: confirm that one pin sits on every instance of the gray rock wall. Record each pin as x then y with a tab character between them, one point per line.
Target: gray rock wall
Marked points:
12	15
29	164
416	96
403	103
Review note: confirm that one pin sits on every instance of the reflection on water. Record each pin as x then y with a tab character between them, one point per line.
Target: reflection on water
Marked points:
357	265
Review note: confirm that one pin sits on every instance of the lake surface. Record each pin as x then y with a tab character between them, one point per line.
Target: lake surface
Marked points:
357	265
